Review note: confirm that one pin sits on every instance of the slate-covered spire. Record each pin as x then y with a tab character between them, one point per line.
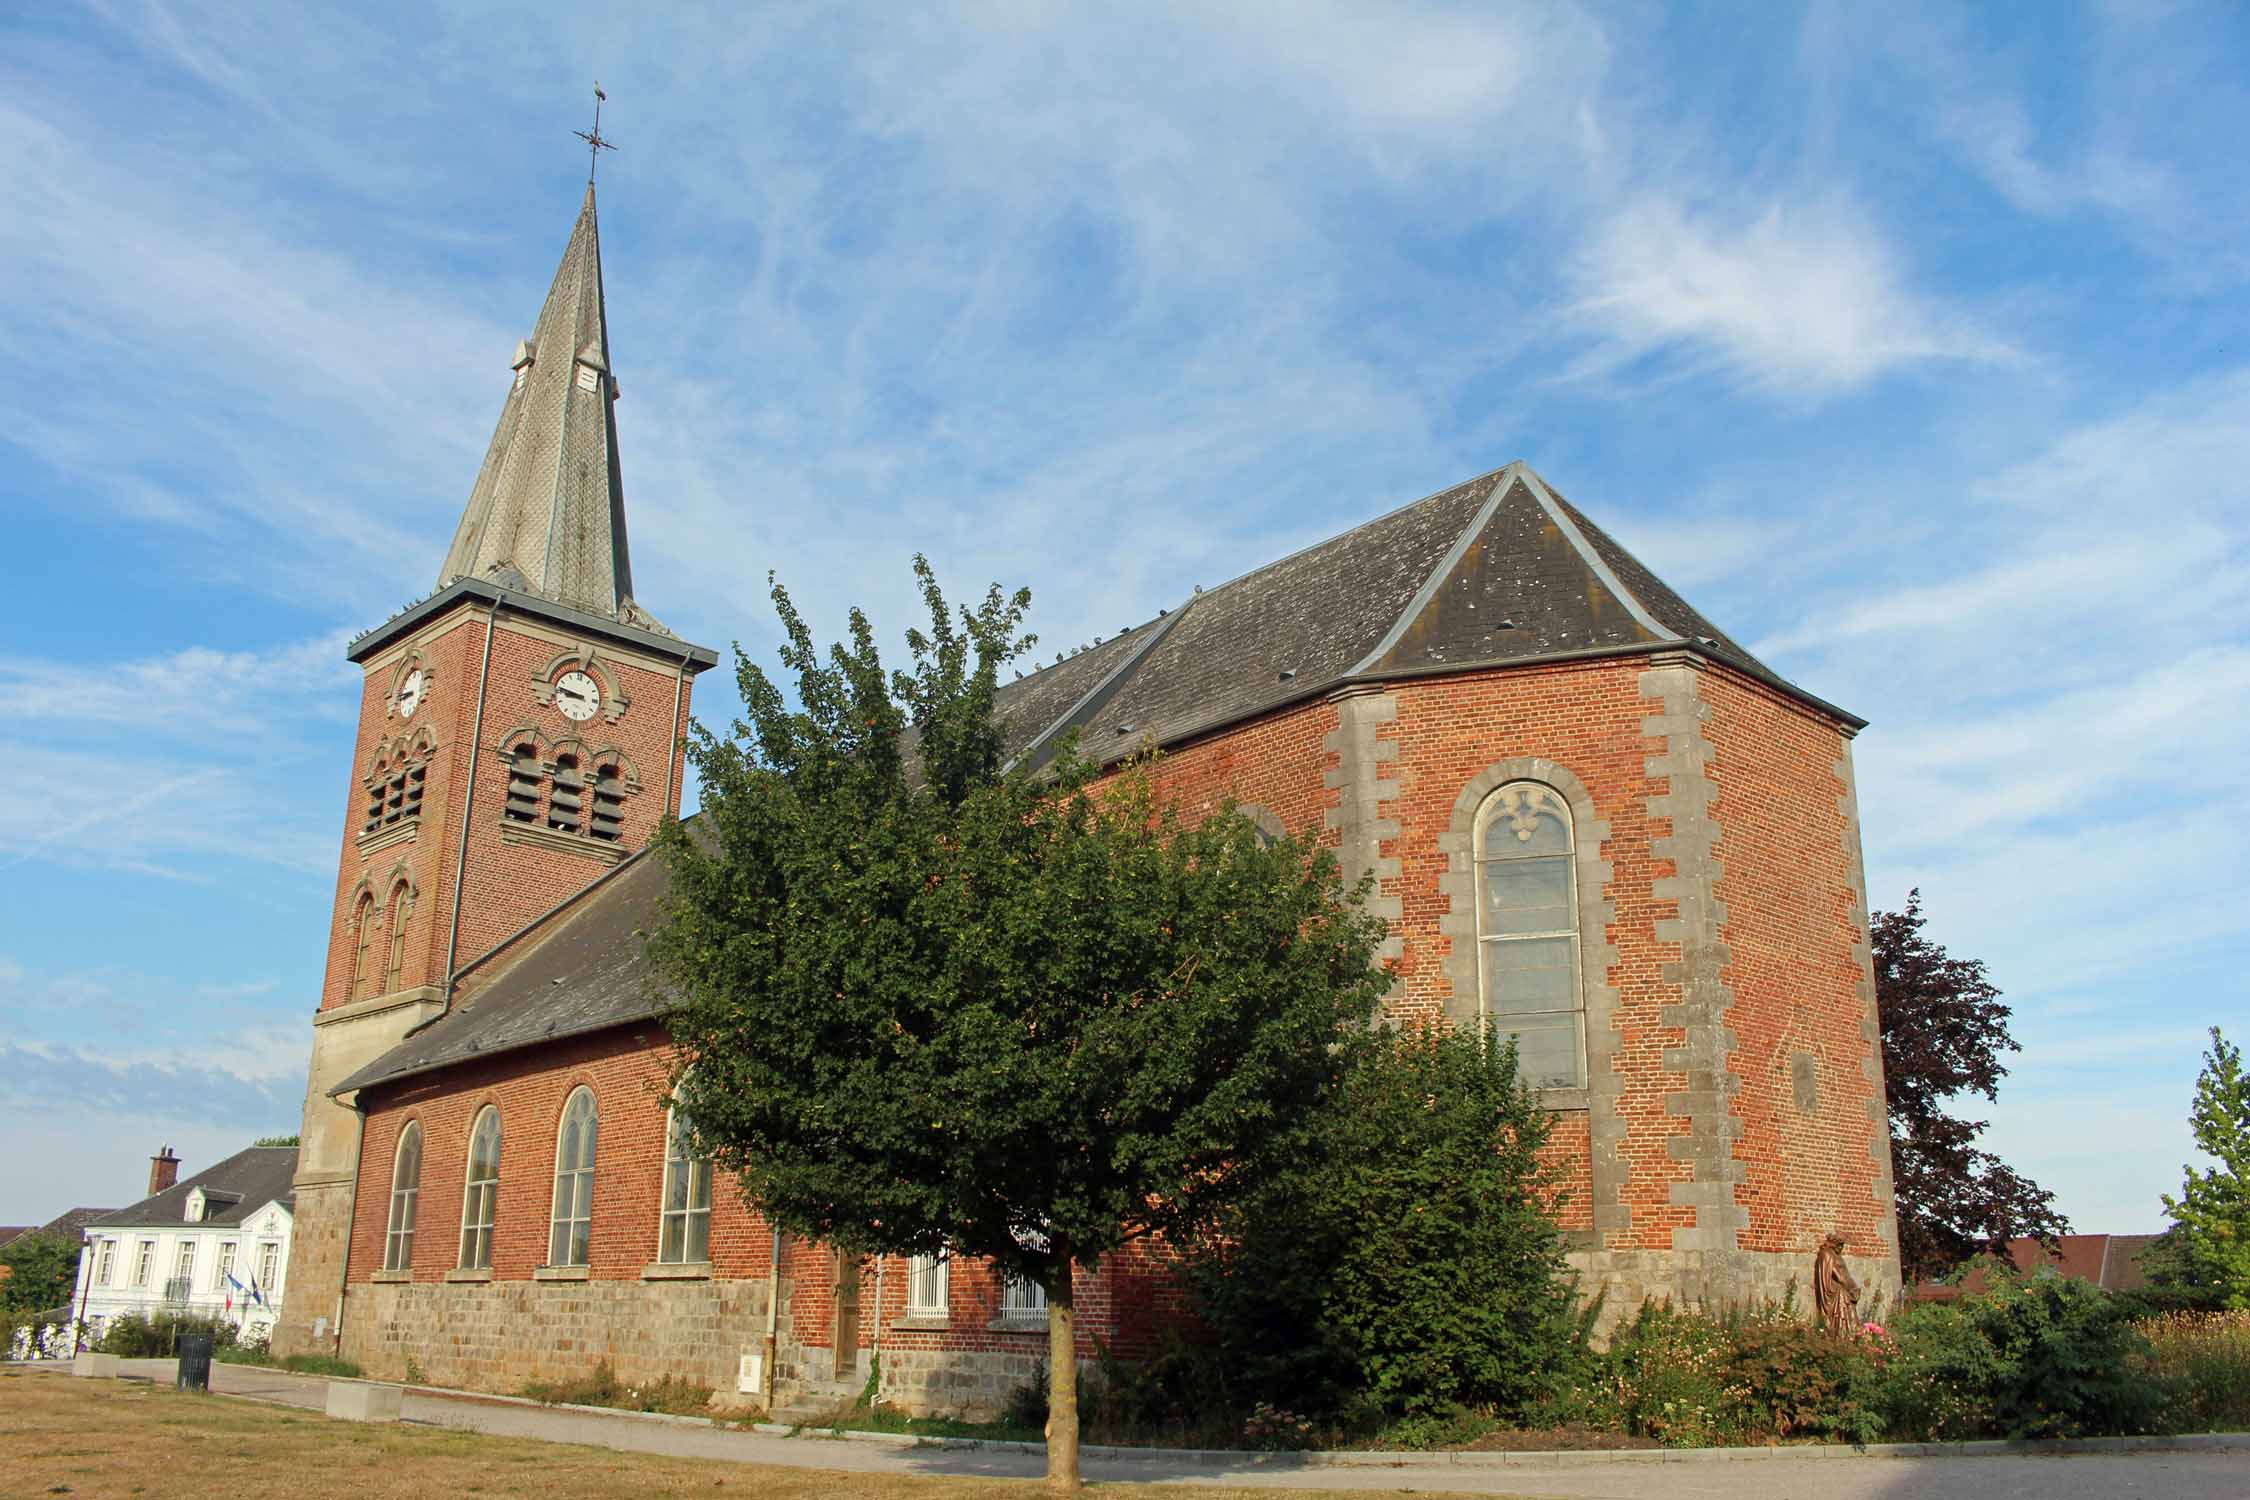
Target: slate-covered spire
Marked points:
547	515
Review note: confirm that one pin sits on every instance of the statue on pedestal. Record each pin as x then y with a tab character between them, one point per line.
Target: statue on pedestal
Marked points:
1834	1291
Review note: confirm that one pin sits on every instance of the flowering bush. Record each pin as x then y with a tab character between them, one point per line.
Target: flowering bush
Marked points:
45	1340
1272	1427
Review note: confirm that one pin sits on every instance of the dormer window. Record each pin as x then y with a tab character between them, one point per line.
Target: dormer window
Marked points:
194	1210
589	379
521	361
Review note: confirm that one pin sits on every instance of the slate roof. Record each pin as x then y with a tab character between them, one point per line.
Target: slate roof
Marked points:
1497	571
234	1189
546	515
585	972
70	1225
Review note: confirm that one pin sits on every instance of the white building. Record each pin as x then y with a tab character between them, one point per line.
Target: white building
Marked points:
215	1245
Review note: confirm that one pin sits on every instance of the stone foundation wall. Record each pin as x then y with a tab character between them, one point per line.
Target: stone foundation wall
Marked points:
1715	1280
495	1336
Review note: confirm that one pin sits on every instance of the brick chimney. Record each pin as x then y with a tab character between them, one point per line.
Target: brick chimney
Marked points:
163	1170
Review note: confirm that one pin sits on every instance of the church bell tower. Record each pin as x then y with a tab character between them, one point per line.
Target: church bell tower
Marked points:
520	733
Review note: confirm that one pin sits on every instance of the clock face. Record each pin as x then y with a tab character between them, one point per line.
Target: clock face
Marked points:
577	695
410	693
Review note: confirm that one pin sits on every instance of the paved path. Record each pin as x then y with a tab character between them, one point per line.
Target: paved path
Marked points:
2194	1475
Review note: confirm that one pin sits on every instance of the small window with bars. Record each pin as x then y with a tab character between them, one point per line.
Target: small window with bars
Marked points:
927	1285
1022	1298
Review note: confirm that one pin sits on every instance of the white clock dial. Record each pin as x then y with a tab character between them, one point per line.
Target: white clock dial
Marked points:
410	693
577	695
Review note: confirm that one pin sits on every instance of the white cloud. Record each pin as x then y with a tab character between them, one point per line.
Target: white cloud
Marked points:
1790	294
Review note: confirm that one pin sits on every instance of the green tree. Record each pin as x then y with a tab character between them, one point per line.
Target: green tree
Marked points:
928	1002
1407	1263
2211	1216
42	1273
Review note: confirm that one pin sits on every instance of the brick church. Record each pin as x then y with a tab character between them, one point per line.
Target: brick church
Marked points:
1591	815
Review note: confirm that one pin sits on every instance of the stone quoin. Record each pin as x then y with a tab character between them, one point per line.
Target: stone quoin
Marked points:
1591	817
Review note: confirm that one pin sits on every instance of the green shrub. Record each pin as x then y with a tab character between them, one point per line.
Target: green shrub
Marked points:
157	1335
1409	1264
2202	1360
321	1364
2028	1357
1694	1379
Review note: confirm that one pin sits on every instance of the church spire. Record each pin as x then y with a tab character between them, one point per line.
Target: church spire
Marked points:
547	514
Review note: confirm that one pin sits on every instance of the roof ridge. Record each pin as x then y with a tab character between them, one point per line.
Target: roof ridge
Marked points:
1101	692
1501	485
1633	603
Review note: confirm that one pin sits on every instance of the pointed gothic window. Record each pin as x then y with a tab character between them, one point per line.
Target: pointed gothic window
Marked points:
1527	931
523	784
406	1188
566	802
480	1198
363	939
402	912
684	1237
573	1223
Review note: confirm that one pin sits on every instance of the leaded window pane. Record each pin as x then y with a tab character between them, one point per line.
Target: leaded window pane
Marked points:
1526	819
1547	1054
1527	895
1523	975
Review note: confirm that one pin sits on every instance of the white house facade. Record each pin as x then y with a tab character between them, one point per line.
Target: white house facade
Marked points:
215	1245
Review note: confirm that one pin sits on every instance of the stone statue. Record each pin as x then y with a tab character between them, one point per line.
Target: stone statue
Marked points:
1833	1288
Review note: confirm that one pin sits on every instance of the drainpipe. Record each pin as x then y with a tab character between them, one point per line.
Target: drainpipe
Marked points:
468	802
773	1313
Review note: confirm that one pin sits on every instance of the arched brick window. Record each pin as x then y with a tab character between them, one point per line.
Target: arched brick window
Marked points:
395	784
573	1222
684	1236
401	913
523	784
363	940
608	821
480	1196
566	803
406	1190
1527	930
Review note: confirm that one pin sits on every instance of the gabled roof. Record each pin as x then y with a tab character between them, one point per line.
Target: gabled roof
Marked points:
234	1189
70	1225
546	516
1497	571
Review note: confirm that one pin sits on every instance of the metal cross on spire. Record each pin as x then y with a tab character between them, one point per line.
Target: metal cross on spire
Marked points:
595	145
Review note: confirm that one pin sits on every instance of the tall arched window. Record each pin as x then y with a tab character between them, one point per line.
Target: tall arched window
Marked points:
574	1182
363	939
480	1196
402	912
685	1232
406	1190
1527	931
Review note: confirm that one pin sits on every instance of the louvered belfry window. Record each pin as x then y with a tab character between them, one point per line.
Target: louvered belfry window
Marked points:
1527	931
566	803
609	805
523	785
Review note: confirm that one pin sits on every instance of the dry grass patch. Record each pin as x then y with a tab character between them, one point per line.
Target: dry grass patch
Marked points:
99	1439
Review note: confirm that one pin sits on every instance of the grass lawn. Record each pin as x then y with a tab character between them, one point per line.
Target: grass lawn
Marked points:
99	1439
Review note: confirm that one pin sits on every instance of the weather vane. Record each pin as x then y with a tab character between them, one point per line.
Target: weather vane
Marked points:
595	145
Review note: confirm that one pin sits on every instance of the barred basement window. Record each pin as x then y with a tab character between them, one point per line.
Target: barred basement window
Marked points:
1022	1298
685	1235
480	1196
609	805
927	1284
523	785
1527	931
406	1188
566	802
574	1182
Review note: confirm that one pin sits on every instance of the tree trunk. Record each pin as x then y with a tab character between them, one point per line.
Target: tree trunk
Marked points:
1062	1378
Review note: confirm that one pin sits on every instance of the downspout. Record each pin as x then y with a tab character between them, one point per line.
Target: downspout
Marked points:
468	802
773	1317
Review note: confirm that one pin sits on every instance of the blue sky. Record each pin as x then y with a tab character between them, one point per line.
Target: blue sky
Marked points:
1914	350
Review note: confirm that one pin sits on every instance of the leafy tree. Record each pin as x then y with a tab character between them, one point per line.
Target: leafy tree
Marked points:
42	1272
1944	1030
927	1002
2211	1216
1407	1262
275	1140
